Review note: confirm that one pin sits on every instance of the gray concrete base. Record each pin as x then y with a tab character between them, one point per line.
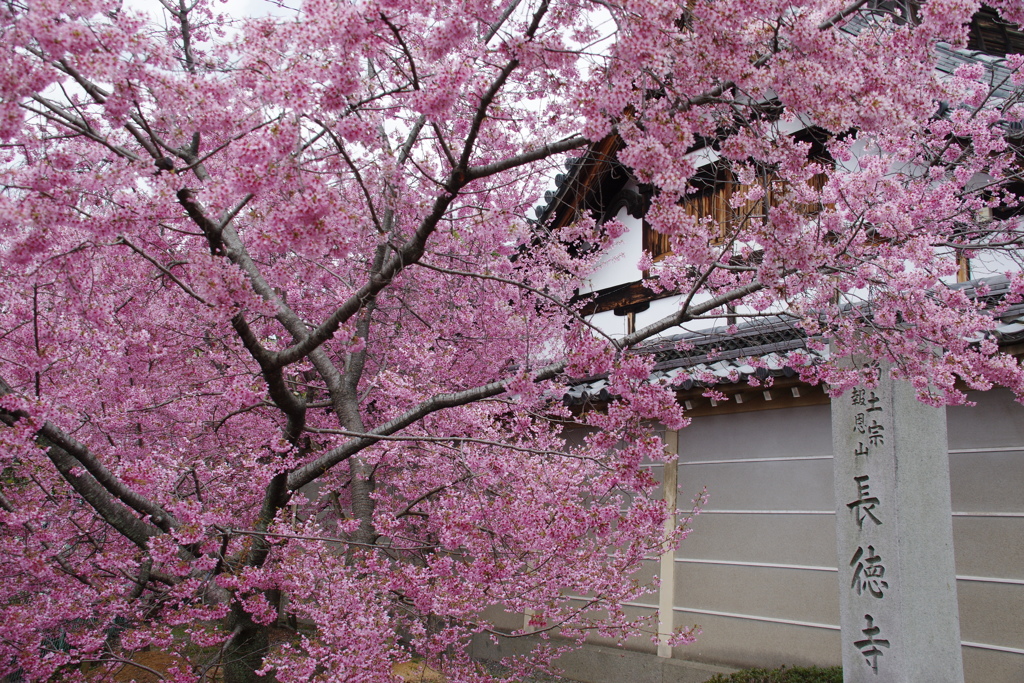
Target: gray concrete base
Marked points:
599	664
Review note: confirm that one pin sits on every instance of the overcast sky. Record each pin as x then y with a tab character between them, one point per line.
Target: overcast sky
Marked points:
238	8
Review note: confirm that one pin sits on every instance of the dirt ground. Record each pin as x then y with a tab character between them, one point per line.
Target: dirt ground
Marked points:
410	672
156	660
144	664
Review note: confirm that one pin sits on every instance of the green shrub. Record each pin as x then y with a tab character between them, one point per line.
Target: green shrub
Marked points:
798	674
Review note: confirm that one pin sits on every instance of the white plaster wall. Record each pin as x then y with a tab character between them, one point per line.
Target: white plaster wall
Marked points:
758	572
615	325
658	310
998	263
610	324
619	264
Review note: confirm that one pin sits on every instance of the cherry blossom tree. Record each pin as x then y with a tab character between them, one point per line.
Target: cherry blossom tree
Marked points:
275	333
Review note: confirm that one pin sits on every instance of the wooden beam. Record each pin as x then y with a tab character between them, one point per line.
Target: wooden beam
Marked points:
667	561
619	296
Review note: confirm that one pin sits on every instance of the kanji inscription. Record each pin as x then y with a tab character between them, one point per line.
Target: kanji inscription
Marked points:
868	571
897	585
870	646
864	506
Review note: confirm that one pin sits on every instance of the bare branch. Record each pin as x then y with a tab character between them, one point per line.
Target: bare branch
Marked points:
358	176
107	494
186	35
496	26
842	14
327	539
406	149
405	49
575	142
312	470
185	288
533	290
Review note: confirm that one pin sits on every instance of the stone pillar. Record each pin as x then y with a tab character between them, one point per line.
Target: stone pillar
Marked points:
894	530
667	572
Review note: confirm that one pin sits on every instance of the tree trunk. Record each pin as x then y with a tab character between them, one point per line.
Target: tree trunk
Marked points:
243	656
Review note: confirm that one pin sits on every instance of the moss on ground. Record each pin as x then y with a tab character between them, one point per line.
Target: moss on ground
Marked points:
798	674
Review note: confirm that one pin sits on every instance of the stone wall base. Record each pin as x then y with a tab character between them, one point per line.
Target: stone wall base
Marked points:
599	664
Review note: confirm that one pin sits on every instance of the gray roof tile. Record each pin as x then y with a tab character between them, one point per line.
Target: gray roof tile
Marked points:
765	349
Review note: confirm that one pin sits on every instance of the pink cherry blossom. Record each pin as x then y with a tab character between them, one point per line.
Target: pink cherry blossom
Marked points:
277	338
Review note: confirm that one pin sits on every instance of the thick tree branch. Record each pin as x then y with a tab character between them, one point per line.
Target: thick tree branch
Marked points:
842	14
496	26
184	287
407	254
411	251
575	142
107	494
311	471
106	478
62	562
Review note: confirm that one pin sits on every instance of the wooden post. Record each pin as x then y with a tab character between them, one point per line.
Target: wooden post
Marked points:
667	572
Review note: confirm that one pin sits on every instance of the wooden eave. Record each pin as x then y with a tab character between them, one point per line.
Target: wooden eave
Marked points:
584	188
992	35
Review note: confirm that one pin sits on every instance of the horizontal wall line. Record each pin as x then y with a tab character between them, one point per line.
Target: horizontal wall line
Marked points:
995	449
819	568
997	648
792	458
767	512
796	622
989	579
825	627
989	514
730	461
752	617
1004	515
767	565
642	605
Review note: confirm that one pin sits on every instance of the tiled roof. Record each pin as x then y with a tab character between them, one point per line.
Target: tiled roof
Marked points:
697	359
949	59
765	349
